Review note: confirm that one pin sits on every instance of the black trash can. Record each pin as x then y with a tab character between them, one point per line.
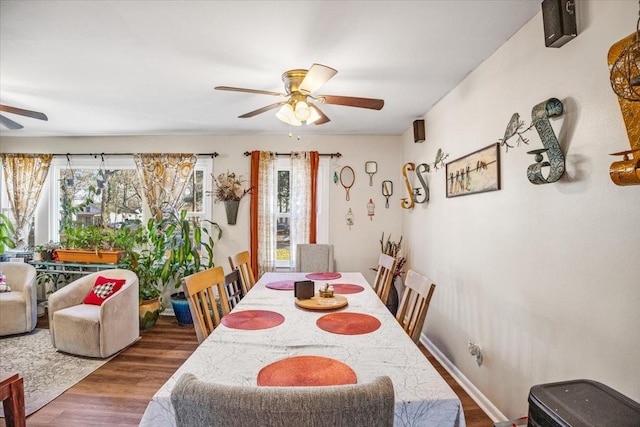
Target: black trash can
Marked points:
580	403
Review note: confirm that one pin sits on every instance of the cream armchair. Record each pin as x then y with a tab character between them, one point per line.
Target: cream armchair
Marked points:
95	330
18	308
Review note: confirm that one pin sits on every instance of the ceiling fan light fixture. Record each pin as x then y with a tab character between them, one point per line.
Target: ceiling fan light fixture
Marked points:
286	114
302	111
313	115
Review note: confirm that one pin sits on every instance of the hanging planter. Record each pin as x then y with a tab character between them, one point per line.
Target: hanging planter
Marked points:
231	208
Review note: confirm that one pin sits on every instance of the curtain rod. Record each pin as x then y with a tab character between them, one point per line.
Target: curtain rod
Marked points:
96	155
332	155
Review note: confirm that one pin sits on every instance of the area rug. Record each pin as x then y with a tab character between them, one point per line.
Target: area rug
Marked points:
47	373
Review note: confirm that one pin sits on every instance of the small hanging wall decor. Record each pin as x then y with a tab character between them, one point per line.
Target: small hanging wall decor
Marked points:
387	191
68	173
370	209
371	168
347	178
349	218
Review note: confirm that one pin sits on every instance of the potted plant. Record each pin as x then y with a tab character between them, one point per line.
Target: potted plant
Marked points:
146	261
230	189
94	244
6	233
45	251
189	248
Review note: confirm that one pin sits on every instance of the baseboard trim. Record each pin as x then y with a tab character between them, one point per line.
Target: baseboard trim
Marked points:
483	402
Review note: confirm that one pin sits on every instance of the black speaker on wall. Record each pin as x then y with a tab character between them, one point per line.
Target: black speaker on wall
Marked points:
418	131
559	19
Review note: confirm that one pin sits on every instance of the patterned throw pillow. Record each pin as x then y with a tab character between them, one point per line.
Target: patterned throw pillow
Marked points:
103	289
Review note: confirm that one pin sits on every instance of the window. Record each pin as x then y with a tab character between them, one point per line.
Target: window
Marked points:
111	194
283	215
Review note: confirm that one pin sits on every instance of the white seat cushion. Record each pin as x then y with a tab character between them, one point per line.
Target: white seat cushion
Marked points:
78	329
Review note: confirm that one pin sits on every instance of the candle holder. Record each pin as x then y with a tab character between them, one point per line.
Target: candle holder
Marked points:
540	117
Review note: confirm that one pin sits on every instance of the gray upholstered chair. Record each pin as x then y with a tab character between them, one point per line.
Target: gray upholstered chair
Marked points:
201	404
95	330
313	257
18	308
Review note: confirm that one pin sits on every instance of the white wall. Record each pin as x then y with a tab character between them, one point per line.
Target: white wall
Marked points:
355	250
545	278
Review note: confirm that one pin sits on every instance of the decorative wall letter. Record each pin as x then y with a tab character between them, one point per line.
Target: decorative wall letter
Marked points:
422	169
407	202
540	118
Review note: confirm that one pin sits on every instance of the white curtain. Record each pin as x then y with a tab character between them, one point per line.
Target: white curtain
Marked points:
267	206
300	200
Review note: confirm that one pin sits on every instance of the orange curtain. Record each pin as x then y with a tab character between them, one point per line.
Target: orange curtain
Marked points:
314	161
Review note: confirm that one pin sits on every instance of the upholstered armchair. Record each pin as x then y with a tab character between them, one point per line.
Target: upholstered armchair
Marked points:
90	329
18	308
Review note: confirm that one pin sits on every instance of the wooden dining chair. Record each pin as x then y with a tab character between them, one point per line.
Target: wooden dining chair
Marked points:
384	276
203	404
415	303
233	286
208	302
242	262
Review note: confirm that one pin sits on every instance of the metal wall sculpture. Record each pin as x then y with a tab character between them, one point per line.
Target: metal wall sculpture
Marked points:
421	195
540	119
408	202
627	170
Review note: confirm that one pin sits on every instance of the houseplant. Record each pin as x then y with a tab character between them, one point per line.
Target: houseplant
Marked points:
94	244
230	189
186	239
145	259
6	233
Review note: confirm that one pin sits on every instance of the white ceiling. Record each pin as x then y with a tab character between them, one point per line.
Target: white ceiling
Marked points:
149	67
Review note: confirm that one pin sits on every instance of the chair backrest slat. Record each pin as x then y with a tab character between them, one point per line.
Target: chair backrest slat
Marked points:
384	276
208	301
233	286
242	262
415	303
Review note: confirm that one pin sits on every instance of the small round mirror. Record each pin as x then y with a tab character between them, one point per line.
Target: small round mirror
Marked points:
347	178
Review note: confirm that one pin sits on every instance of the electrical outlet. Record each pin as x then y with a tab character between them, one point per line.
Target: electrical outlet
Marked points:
476	351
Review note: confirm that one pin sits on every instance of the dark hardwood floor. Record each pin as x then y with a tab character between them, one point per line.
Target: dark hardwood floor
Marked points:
117	393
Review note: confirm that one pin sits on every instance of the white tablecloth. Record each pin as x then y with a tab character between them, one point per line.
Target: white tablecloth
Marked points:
232	356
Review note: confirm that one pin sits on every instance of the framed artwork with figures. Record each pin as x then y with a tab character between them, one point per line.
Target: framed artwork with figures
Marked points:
477	172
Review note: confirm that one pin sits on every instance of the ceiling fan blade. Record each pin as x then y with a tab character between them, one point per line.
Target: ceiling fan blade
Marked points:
323	117
27	113
262	110
9	124
240	89
350	101
317	75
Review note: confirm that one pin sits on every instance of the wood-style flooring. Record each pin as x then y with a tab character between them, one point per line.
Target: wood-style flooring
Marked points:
117	393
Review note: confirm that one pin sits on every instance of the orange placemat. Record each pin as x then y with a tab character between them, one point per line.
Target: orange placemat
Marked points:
323	276
252	319
282	285
306	371
348	323
346	288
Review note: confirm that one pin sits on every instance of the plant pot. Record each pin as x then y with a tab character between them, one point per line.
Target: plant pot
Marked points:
392	299
231	208
91	257
46	255
181	309
148	312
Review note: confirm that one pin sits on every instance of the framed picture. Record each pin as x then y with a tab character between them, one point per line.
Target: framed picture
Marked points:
474	173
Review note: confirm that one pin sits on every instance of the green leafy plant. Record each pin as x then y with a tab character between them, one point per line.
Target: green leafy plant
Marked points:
6	233
189	247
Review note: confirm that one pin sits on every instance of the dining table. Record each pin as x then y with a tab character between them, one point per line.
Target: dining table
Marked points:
270	340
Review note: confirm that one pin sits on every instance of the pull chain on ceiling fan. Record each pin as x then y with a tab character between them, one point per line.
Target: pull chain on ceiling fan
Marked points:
10	124
300	85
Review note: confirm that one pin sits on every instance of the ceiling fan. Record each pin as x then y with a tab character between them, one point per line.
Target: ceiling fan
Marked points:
300	86
10	124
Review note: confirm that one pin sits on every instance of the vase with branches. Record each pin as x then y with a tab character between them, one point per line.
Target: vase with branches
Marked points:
230	188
